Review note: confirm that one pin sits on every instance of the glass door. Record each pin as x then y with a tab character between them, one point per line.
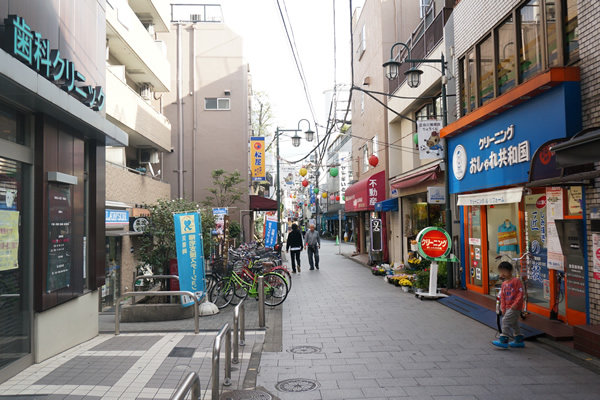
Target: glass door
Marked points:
476	249
503	238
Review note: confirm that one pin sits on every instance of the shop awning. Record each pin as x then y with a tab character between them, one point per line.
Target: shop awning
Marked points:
387	205
505	196
259	203
364	194
583	148
422	174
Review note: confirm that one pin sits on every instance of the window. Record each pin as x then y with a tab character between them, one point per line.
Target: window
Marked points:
431	110
571	32
551	35
375	145
463	90
216	103
486	70
530	51
505	68
471	75
365	158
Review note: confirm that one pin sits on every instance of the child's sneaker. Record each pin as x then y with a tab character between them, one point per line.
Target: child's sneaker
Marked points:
501	342
518	342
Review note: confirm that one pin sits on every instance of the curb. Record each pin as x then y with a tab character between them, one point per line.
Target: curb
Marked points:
578	357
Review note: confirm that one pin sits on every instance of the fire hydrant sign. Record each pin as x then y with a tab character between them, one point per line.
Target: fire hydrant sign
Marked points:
433	243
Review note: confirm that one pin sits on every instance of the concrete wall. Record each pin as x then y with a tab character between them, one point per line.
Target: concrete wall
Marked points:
65	326
589	53
221	137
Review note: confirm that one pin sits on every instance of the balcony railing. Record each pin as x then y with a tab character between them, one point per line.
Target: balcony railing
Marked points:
196	13
424	39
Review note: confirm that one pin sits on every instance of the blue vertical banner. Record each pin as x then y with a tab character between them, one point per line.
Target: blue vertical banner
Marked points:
190	255
271	232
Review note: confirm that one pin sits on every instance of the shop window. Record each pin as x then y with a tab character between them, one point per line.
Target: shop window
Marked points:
530	51
505	68
476	251
571	31
471	79
486	70
503	238
551	34
423	215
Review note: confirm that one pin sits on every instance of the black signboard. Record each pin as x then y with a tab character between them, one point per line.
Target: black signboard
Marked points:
59	236
570	233
376	235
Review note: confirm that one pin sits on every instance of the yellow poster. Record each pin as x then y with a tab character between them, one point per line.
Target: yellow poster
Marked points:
257	158
9	240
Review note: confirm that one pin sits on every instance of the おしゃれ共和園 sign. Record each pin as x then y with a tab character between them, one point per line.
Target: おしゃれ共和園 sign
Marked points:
433	243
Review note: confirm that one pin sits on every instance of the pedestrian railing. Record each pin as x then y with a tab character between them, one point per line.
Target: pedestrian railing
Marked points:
239	329
142	277
168	293
224	333
191	382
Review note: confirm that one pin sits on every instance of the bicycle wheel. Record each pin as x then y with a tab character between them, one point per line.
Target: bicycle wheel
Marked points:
281	270
222	293
240	291
276	290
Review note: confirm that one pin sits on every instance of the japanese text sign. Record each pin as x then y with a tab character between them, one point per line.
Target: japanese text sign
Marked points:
430	144
190	255
33	50
271	232
433	243
257	158
9	240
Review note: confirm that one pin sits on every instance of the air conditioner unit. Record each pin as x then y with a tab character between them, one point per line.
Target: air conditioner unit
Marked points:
146	156
146	91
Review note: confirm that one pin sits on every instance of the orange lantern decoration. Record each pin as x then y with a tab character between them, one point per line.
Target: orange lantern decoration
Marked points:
373	160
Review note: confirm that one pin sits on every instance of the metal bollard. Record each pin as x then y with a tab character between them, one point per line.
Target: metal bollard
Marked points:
261	302
192	381
224	332
237	331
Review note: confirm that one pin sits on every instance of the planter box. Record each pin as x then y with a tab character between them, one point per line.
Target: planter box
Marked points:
155	312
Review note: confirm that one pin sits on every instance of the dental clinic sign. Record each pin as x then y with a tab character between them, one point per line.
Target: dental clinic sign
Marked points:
32	49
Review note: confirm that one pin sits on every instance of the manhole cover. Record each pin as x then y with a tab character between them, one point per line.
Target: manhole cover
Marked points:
297	385
245	395
182	352
305	350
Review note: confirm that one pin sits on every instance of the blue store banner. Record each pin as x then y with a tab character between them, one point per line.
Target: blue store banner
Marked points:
498	152
271	232
190	255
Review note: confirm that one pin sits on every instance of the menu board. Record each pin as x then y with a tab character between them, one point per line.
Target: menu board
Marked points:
59	236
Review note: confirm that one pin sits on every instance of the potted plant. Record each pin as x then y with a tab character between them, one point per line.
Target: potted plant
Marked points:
422	280
406	284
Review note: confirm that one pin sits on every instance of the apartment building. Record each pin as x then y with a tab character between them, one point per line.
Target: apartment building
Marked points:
138	75
53	138
416	167
209	106
373	35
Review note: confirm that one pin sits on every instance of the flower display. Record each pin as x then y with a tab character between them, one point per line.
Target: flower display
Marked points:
405	282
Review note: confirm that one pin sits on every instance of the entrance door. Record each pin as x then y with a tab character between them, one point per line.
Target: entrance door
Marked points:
503	237
476	250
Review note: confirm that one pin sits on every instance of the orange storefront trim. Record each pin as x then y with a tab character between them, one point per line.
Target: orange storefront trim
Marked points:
521	93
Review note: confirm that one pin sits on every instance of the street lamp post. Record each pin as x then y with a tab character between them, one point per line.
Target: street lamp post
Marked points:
413	77
295	142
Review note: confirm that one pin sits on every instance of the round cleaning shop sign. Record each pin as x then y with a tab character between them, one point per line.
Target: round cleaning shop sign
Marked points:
433	243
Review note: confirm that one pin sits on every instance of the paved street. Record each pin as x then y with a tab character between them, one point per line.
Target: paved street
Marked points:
374	341
354	336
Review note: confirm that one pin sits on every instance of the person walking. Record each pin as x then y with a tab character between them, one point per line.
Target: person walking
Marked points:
294	243
511	301
312	242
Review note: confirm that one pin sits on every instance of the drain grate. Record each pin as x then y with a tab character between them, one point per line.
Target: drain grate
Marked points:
297	385
245	395
305	350
182	352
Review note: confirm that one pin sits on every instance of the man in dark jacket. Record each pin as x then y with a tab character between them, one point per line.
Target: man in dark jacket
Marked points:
294	243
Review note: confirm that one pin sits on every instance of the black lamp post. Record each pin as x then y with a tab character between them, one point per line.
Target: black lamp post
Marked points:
413	78
296	139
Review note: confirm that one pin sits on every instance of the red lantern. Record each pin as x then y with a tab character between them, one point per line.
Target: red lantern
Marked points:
291	197
337	198
305	183
373	160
